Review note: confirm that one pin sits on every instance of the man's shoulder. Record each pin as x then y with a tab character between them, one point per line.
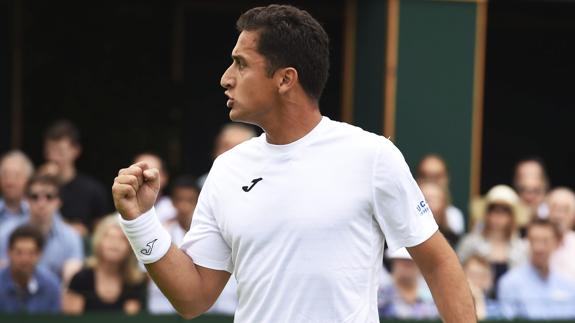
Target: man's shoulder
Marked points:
516	277
47	279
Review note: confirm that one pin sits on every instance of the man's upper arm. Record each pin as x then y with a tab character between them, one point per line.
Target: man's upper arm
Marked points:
430	252
399	206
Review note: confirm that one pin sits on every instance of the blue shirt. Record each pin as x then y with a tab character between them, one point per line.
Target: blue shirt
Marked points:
42	294
523	293
6	214
62	244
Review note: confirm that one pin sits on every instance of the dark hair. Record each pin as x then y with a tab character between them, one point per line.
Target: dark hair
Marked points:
291	37
63	129
44	180
26	232
546	223
185	181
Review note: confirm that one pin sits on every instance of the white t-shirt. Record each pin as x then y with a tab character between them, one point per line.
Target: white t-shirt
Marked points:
305	242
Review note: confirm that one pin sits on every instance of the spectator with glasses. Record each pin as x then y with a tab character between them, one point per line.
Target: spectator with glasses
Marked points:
63	250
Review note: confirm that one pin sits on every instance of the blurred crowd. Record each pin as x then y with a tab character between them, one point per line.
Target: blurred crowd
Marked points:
62	249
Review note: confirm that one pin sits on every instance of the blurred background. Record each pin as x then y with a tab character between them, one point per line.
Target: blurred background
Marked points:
483	84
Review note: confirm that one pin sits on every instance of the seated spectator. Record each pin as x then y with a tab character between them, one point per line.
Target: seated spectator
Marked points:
561	202
164	207
15	171
25	288
437	199
433	168
480	277
498	240
531	183
231	135
112	280
408	297
84	200
535	290
185	196
63	252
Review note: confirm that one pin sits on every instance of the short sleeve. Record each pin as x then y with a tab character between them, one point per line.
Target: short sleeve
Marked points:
399	206
82	282
204	242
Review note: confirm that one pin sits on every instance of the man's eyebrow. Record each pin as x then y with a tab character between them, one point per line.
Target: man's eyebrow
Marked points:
238	57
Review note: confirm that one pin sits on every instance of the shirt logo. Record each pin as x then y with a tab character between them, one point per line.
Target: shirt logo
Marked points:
422	207
254	182
148	251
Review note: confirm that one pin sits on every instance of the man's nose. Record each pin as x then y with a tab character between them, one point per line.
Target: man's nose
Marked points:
227	80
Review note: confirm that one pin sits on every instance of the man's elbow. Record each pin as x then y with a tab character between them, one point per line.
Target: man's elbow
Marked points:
190	311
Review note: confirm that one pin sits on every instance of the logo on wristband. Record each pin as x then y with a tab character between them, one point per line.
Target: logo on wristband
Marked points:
148	251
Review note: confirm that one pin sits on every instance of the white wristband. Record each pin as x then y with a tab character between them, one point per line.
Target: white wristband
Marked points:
148	237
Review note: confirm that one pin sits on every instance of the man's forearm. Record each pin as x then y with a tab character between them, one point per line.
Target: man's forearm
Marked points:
451	292
444	276
179	280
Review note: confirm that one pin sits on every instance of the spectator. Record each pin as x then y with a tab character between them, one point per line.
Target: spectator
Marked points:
480	277
112	280
231	135
437	199
185	196
84	200
15	171
561	202
531	183
164	207
408	297
25	288
432	168
63	251
498	239
535	290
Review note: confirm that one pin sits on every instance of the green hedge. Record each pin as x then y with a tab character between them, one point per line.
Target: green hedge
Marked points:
145	318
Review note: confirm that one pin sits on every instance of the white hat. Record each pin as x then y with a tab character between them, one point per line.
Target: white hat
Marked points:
400	253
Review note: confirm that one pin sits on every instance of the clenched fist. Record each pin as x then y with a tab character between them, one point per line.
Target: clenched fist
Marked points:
135	190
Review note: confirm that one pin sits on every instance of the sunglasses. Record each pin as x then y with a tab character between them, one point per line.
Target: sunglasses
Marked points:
37	196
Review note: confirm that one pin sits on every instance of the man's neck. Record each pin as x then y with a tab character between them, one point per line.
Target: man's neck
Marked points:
21	279
14	206
67	173
292	121
44	225
543	271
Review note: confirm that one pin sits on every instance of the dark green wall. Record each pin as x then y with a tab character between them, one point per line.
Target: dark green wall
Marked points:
435	86
369	64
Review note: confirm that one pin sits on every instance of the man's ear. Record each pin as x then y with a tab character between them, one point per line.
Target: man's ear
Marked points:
287	79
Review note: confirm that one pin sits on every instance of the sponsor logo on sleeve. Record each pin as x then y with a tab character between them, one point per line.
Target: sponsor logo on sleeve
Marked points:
422	207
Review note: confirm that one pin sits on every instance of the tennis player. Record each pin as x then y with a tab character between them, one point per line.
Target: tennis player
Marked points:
300	214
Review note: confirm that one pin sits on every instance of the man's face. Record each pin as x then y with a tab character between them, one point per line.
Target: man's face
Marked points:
252	93
13	178
479	274
561	209
185	200
24	255
62	151
230	138
404	271
44	202
531	190
433	170
542	243
436	199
